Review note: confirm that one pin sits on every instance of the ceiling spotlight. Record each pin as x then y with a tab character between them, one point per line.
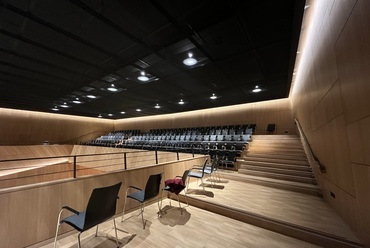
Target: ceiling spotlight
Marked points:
77	101
91	96
157	106
213	97
123	112
255	90
112	88
55	108
110	114
64	105
143	77
181	102
138	110
100	116
190	60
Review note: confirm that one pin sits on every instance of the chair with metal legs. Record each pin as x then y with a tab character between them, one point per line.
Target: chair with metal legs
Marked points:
100	208
175	186
197	172
143	195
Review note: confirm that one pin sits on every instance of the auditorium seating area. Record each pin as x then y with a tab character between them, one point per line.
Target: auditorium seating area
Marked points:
227	142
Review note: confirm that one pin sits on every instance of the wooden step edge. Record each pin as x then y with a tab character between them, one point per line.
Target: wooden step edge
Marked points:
277	155
283	172
278	161
304	188
298	173
280	176
288	229
275	165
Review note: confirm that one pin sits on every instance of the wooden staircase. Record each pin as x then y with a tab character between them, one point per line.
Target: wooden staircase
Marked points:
278	161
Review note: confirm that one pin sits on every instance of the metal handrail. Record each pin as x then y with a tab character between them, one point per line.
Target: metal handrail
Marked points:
312	159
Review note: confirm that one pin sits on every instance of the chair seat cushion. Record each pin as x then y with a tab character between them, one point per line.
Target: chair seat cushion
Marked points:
77	221
138	195
195	174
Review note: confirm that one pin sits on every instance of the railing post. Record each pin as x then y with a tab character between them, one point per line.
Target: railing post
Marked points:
125	160
177	153
74	167
156	156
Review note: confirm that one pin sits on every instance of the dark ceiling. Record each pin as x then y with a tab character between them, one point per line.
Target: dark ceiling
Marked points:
52	52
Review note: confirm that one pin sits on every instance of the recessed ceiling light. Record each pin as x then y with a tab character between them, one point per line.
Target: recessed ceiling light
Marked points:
138	110
110	114
157	106
100	116
64	105
112	88
91	96
77	101
190	60
55	108
256	89
213	96
123	112
181	102
143	77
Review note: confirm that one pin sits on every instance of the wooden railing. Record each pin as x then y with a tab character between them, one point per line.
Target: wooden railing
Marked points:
23	171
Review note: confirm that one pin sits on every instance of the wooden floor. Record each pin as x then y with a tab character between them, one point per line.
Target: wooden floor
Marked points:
200	228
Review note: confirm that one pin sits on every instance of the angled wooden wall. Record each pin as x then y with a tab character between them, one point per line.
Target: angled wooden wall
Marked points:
331	100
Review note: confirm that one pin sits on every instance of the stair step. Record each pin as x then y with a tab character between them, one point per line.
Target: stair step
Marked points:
306	188
282	171
254	147
275	165
275	137
279	176
274	160
277	155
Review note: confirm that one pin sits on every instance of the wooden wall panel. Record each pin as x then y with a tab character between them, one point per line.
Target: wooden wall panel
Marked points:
359	141
329	108
20	127
353	53
331	101
261	113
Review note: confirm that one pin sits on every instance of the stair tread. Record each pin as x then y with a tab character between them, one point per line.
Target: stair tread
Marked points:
277	160
277	174
277	155
275	165
277	170
295	184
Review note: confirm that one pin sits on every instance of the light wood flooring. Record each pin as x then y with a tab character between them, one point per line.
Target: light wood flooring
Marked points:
200	228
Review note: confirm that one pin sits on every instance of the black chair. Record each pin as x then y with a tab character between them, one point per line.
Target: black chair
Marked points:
211	170
230	159
197	172
151	191
271	128
101	207
175	186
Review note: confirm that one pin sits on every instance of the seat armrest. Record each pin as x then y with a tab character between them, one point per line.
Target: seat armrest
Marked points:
134	187
71	209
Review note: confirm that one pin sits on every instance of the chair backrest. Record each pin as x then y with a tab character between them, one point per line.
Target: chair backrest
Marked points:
204	166
185	176
152	186
101	205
